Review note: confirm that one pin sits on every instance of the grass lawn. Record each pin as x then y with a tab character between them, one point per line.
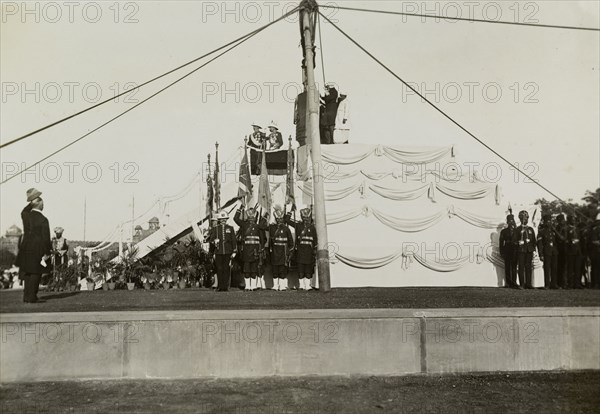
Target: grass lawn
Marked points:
343	298
546	393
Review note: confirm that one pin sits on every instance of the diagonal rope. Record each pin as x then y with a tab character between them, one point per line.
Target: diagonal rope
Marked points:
147	82
141	102
433	16
536	182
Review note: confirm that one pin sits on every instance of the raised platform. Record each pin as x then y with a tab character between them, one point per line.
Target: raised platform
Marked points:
260	343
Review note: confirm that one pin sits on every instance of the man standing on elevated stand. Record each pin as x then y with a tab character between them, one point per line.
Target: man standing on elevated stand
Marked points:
306	245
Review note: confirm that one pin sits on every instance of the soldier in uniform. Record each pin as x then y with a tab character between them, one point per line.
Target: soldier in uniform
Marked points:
306	245
583	241
548	252
59	248
222	237
508	252
594	252
573	253
252	242
561	262
282	244
257	138
525	242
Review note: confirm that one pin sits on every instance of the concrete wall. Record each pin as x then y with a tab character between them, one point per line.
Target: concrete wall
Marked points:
245	343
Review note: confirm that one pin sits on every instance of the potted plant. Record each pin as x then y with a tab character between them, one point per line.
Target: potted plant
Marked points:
129	267
90	283
182	278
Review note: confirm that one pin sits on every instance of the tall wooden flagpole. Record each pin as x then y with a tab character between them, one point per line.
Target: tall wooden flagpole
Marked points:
308	12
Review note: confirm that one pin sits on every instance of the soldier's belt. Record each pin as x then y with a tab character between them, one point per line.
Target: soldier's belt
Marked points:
251	242
279	244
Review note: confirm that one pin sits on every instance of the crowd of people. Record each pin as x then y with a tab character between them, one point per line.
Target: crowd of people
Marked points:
258	244
567	248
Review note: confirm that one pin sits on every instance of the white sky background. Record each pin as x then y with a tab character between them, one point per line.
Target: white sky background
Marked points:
169	137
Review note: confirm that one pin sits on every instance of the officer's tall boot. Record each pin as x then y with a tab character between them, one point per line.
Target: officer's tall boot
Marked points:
284	285
275	283
246	283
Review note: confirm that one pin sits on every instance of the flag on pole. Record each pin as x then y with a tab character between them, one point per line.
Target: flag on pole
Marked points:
245	183
264	190
289	181
217	181
209	191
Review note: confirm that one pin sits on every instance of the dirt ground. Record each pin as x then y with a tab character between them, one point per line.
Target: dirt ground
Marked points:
200	299
574	392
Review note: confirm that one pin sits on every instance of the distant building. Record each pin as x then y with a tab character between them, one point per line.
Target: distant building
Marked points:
140	233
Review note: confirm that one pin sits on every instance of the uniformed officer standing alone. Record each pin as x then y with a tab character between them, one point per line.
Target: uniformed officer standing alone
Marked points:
524	239
222	236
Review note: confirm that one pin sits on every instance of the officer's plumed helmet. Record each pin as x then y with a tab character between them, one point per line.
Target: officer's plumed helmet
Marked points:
278	215
305	213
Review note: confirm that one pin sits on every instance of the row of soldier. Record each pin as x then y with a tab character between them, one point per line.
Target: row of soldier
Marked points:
564	247
258	244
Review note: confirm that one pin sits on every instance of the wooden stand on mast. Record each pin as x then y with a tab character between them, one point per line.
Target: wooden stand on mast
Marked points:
307	24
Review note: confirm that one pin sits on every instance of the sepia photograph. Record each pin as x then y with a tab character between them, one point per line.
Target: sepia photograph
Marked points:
300	206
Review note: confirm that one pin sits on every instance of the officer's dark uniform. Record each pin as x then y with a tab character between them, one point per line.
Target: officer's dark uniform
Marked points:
509	254
524	239
548	251
561	262
282	243
573	255
306	243
253	238
583	240
594	253
223	238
